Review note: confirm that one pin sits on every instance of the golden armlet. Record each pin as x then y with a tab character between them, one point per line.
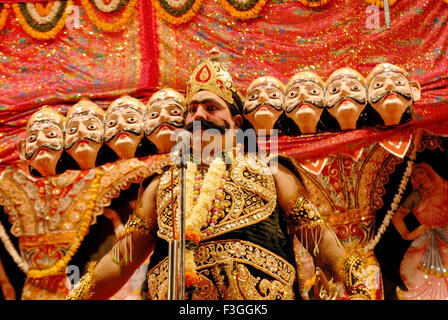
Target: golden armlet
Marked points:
85	288
355	277
135	224
305	220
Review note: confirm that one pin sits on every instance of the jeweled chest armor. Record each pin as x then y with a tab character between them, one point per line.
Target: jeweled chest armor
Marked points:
249	196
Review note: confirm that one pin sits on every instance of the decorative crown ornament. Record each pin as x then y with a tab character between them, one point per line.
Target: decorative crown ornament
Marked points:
85	106
212	75
305	76
126	101
46	113
346	72
168	93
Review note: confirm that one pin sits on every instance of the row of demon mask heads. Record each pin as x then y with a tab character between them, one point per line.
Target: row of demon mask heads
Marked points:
345	101
89	136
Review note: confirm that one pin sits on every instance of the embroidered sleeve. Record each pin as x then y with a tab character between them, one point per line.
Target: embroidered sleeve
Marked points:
355	277
85	287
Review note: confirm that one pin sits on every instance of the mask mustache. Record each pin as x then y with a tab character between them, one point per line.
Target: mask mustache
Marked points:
318	104
93	139
357	100
131	131
278	108
206	124
405	95
52	147
174	124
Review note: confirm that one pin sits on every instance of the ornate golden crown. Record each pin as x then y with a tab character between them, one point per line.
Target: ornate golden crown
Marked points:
385	67
168	93
46	113
128	102
212	75
85	106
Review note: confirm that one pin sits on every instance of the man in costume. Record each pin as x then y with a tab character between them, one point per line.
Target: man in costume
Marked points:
304	100
124	126
392	94
236	248
345	98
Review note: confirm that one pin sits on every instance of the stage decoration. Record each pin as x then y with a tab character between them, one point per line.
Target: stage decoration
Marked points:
12	250
177	12
42	23
112	16
397	198
380	3
245	9
4	12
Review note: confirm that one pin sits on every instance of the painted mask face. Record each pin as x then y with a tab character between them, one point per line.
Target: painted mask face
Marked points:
43	146
124	127
165	113
304	102
83	138
345	99
264	102
391	94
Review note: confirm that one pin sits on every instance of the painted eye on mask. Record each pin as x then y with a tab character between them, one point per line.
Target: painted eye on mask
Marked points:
355	88
274	95
32	138
131	120
175	112
72	130
399	83
92	127
111	123
334	90
51	134
314	92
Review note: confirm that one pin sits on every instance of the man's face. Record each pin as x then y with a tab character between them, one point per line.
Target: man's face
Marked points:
390	94
123	130
83	137
304	103
345	99
162	119
263	106
43	144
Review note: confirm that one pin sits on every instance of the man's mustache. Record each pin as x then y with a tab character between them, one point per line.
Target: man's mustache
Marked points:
318	104
206	124
117	132
249	110
93	139
52	147
355	99
380	96
174	124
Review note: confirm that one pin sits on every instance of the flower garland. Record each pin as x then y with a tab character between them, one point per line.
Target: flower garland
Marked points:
397	197
12	250
39	27
380	3
177	14
83	229
203	196
246	9
107	26
113	6
4	12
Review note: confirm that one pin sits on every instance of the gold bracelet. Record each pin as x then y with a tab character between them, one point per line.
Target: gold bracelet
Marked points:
135	223
85	288
303	213
355	277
